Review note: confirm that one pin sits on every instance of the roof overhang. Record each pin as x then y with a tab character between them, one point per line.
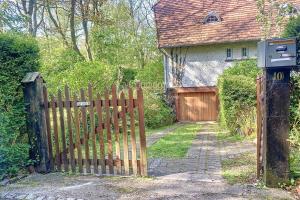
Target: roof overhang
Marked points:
208	43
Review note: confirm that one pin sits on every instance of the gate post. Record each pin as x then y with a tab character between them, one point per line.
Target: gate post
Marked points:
276	132
35	121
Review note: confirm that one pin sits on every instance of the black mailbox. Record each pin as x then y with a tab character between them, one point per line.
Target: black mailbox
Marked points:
278	53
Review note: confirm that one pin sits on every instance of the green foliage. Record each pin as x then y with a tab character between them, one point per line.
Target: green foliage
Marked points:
100	76
19	54
294	137
175	144
128	76
292	28
118	39
237	93
157	112
244	68
152	73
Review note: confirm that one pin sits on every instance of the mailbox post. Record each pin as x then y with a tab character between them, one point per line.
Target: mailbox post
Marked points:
277	57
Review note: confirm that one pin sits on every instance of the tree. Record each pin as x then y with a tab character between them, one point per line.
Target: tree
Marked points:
272	14
292	28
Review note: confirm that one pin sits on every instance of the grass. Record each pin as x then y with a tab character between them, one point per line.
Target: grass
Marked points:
150	131
228	137
175	144
241	169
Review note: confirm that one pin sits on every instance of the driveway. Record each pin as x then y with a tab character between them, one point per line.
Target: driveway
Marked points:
198	176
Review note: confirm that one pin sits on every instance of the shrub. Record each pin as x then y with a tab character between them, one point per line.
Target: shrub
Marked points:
152	73
237	93
292	28
19	54
100	75
157	112
128	76
294	137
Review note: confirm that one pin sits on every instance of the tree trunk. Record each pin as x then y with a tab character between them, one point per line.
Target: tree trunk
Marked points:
84	17
56	24
72	28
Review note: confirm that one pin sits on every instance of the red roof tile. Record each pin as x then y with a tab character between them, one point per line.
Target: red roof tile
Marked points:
180	22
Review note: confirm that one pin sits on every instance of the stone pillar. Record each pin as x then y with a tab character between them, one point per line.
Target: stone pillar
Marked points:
35	121
276	131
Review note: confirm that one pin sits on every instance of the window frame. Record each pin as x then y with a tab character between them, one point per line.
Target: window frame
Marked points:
231	54
212	14
246	51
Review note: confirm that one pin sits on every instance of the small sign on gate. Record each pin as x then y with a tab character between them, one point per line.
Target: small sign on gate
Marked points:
83	104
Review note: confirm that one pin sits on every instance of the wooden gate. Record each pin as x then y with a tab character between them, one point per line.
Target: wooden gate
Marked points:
95	134
197	104
260	123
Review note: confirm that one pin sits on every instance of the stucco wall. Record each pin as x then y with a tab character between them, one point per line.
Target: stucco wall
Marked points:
201	65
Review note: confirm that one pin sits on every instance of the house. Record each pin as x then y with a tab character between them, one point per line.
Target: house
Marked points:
199	39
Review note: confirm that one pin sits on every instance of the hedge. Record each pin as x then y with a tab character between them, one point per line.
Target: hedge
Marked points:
19	54
237	93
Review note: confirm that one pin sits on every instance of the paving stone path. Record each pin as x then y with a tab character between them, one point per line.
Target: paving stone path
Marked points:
202	163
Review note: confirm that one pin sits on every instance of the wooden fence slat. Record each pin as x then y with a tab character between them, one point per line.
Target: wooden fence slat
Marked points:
132	133
143	147
125	136
85	133
108	132
116	128
62	131
48	127
93	129
78	139
100	132
55	128
106	162
70	129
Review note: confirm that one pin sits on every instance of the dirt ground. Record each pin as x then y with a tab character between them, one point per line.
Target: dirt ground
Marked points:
197	176
60	186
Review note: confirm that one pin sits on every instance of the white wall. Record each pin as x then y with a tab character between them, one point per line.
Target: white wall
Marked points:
203	64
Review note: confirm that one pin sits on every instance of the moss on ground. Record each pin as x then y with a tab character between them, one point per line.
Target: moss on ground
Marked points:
241	169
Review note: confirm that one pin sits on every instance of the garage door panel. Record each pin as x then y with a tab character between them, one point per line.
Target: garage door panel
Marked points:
198	106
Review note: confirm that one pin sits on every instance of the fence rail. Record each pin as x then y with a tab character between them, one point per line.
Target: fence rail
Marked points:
96	134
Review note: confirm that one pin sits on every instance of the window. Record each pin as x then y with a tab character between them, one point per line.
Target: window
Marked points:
244	53
229	53
212	17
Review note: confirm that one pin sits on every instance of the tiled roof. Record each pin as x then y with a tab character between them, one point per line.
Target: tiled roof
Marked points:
180	22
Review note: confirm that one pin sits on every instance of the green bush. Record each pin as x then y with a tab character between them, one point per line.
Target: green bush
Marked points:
292	29
237	93
157	112
294	137
19	54
152	73
100	75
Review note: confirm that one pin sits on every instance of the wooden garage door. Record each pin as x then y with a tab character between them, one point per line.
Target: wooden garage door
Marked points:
198	106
